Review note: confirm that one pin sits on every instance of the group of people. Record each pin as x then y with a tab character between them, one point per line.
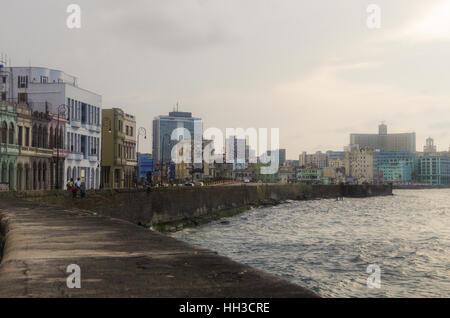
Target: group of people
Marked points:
75	187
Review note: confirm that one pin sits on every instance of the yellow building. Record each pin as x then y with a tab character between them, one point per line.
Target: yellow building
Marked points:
118	149
130	169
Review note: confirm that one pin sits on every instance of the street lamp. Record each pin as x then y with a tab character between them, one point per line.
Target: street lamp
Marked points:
61	110
162	156
141	132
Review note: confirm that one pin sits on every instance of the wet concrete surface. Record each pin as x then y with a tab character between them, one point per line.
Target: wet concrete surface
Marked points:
117	259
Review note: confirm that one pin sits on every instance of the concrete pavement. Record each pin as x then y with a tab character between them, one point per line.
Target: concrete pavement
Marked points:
117	259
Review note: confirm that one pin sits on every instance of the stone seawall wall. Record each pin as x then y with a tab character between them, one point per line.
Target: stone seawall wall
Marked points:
168	205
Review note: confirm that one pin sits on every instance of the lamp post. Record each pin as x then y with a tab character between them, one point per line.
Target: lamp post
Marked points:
141	132
106	127
162	156
61	110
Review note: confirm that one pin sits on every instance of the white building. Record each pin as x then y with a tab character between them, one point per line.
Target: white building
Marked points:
359	164
46	90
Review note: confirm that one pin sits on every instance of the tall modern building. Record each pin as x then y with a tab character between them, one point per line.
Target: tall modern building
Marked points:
57	94
385	141
164	126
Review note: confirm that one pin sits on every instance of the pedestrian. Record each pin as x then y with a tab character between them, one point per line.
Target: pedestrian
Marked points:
77	186
71	187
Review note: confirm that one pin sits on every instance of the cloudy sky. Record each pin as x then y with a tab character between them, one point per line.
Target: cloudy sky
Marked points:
311	68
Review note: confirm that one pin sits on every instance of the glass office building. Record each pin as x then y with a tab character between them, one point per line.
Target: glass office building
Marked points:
164	126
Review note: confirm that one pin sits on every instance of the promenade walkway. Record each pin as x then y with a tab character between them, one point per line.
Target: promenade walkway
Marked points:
117	259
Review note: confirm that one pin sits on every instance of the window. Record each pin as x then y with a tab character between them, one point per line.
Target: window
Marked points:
20	139
22	97
22	82
131	131
3	95
127	130
27	136
4	132
44	79
4	79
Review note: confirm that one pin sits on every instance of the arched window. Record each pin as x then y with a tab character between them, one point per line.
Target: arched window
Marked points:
11	134
4	132
51	141
40	137
45	137
35	137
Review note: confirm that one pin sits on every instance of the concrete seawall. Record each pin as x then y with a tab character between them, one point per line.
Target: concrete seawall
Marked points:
116	259
173	208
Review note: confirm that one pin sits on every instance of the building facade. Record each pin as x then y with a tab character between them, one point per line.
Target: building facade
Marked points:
9	150
433	169
359	165
129	145
146	167
385	141
113	149
53	91
317	160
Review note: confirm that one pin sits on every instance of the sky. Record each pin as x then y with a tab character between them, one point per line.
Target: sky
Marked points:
313	69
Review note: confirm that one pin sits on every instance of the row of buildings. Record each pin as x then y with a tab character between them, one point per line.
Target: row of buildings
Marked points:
52	130
374	158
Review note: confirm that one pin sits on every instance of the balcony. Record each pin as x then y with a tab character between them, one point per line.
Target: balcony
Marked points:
75	123
93	128
61	153
119	161
35	152
131	162
12	150
41	152
75	156
93	158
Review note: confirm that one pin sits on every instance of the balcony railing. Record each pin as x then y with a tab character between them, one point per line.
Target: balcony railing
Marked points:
9	149
62	153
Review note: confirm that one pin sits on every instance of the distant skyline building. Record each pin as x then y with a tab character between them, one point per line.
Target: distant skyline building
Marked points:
385	141
237	152
317	160
429	147
433	169
163	127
